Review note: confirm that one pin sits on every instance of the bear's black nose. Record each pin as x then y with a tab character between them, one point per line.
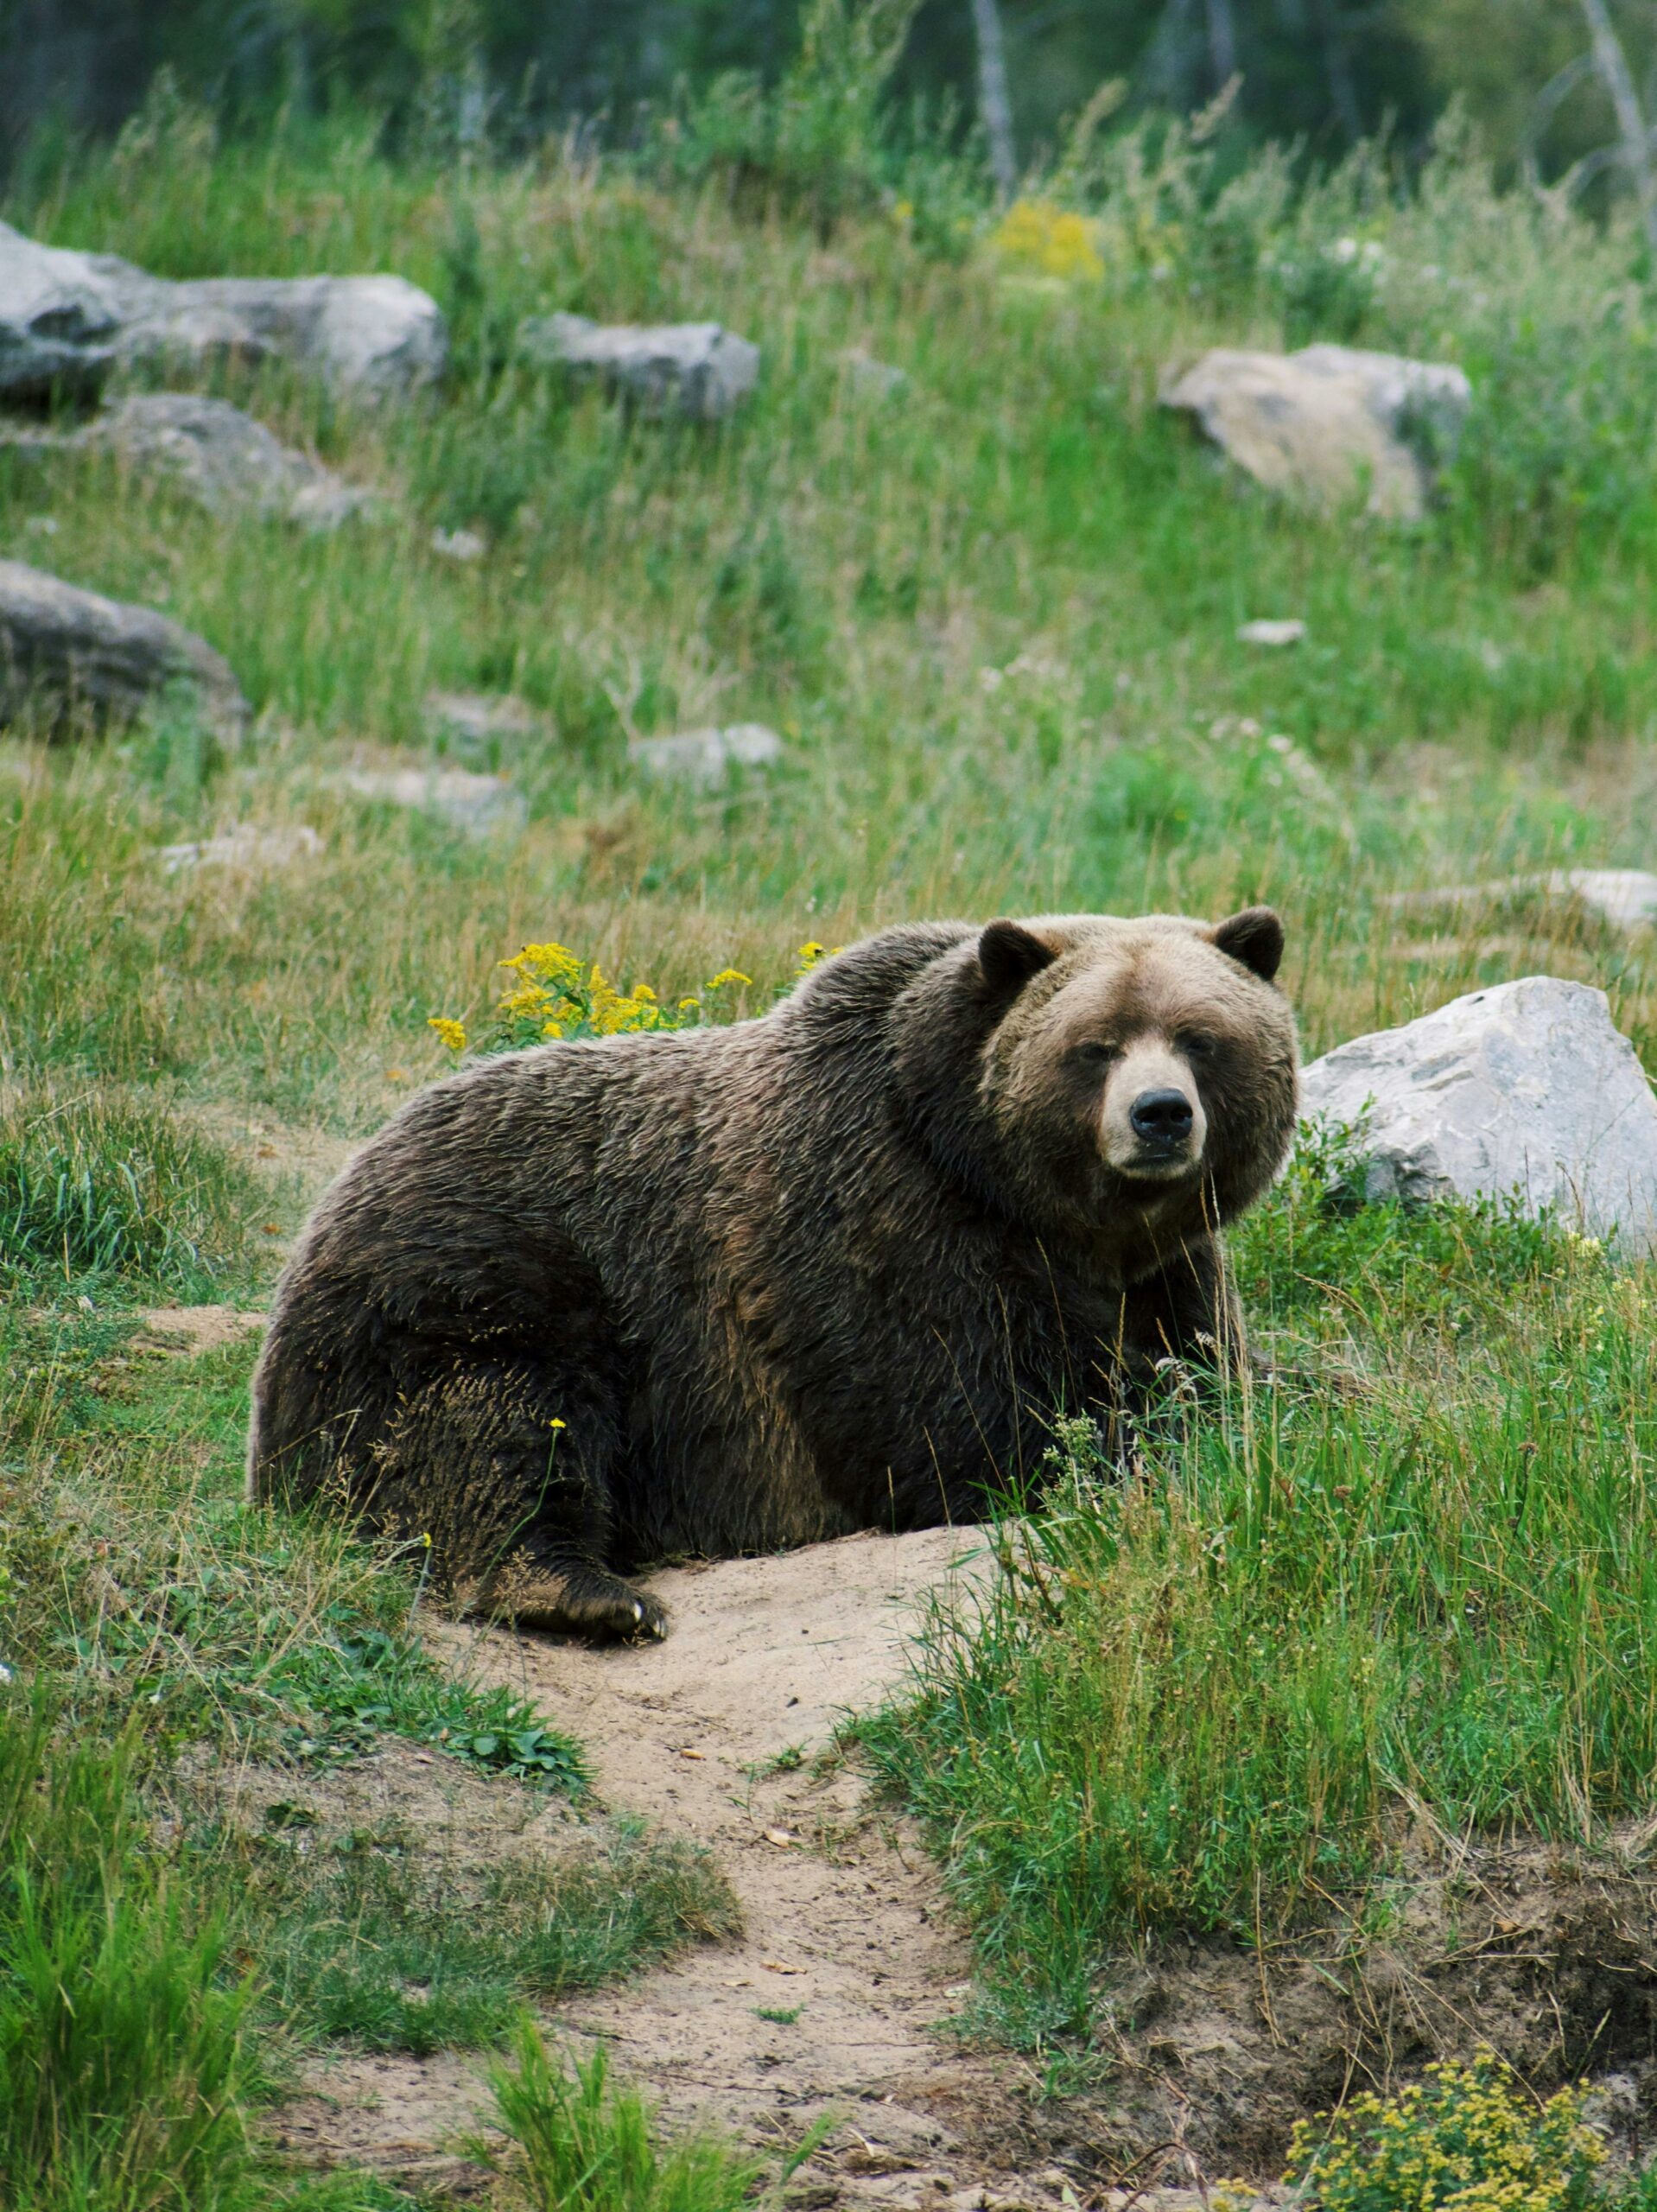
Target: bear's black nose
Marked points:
1161	1116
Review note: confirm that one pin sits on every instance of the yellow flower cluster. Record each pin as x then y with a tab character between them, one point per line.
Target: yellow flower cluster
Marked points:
1467	2139
1035	234
553	993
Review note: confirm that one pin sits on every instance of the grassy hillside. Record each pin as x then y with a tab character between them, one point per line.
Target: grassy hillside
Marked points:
993	611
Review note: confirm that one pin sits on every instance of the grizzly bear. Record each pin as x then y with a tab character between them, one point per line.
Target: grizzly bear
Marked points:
839	1266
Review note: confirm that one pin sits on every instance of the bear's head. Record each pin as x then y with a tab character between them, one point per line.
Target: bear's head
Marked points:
1124	1074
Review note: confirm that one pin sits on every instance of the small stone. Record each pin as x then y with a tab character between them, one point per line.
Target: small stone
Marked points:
696	369
476	804
875	380
480	722
226	462
1525	1090
458	544
251	850
1290	631
707	756
1622	898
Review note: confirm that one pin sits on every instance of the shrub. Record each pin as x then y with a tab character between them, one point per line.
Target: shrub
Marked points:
1469	2137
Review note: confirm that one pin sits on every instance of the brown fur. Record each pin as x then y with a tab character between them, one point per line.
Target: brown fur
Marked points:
733	1289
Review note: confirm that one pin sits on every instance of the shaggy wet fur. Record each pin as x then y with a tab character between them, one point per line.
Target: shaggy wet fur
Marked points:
731	1289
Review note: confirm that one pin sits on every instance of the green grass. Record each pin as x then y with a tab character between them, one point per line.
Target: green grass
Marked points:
585	2143
95	1188
124	2059
393	1953
1421	1577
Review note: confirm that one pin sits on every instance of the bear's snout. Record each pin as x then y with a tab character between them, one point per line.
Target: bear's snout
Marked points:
1153	1127
1162	1118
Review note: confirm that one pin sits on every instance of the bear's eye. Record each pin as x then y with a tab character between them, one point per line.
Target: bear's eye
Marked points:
1196	1044
1095	1054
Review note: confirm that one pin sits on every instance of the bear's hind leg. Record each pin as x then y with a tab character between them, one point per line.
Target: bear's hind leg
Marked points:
508	1470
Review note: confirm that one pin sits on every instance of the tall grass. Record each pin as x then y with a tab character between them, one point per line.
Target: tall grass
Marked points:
124	2056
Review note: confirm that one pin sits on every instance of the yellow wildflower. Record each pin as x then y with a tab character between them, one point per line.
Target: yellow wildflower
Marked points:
1039	235
550	1029
452	1033
727	975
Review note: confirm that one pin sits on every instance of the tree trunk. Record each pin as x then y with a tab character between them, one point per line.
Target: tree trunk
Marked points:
1222	42
1613	65
994	105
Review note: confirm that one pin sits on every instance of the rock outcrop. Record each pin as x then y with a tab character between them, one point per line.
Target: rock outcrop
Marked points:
72	660
68	319
1329	422
1525	1091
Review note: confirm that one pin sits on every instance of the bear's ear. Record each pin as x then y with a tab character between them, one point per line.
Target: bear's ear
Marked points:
1256	937
1009	955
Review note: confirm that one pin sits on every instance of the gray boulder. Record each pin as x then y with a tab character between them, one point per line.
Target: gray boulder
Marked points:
225	461
70	659
697	369
1526	1089
68	318
1330	421
707	756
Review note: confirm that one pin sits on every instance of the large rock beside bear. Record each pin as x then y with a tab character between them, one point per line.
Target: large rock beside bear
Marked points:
735	1289
1527	1091
68	318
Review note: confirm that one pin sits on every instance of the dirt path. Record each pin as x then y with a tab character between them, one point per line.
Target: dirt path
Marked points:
849	1946
714	1733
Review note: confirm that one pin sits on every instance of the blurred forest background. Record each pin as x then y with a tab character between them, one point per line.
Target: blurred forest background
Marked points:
1326	72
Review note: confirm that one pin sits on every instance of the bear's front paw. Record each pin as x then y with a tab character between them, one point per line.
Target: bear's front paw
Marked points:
587	1601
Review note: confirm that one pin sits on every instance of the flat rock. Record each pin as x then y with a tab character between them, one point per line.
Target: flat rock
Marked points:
1623	898
1527	1090
70	659
68	318
696	369
707	756
481	721
476	804
250	850
1329	422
